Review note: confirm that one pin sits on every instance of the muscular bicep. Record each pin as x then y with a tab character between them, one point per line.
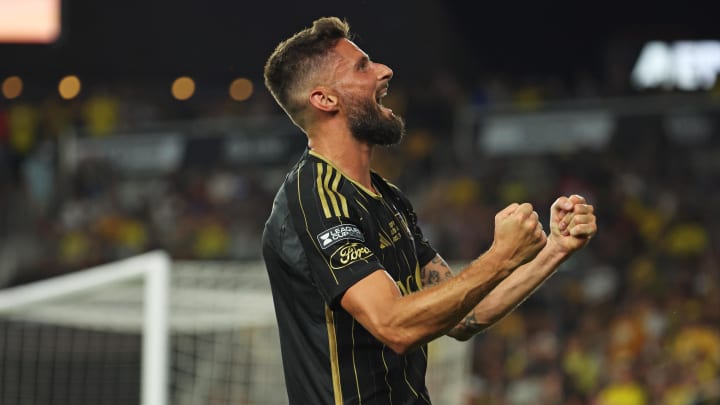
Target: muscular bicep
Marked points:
435	272
370	301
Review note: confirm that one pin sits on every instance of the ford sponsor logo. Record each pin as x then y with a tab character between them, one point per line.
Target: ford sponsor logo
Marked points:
349	254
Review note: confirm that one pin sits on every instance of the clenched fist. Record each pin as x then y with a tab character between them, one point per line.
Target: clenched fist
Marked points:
572	223
519	234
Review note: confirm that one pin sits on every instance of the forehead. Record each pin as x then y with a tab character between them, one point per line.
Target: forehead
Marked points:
348	51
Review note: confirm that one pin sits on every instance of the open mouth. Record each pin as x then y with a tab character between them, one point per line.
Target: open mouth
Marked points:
379	96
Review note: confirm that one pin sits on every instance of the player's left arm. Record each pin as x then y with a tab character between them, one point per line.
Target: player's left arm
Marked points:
505	297
438	271
572	224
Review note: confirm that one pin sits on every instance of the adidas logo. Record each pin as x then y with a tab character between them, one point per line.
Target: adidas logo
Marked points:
383	241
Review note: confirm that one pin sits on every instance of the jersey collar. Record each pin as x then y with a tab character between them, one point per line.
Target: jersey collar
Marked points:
360	186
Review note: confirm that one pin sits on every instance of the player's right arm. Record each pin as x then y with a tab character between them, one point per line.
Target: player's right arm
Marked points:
406	322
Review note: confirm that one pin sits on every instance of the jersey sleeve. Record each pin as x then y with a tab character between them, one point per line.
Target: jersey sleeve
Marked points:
330	230
425	251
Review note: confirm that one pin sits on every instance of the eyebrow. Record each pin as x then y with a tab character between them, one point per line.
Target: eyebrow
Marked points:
362	61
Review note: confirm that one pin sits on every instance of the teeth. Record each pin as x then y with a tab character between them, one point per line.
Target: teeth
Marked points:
379	96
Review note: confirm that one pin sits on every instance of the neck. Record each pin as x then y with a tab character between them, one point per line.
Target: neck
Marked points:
344	151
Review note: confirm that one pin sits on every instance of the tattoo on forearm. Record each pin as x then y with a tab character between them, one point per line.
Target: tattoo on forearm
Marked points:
467	327
470	320
438	271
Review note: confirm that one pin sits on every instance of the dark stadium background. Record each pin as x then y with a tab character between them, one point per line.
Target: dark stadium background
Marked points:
141	39
634	315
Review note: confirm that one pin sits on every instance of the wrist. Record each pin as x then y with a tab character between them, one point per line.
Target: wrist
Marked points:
497	260
556	250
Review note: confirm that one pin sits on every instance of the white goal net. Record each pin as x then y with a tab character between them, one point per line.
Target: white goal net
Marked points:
143	331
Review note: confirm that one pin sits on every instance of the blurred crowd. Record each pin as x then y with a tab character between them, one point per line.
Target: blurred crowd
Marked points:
632	319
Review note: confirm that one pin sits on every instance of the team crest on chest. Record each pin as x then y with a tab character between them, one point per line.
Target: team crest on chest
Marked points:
394	231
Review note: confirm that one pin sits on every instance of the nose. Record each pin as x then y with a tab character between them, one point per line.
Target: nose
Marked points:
384	72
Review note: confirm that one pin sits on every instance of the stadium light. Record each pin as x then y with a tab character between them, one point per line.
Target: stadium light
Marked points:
69	87
241	89
183	88
12	87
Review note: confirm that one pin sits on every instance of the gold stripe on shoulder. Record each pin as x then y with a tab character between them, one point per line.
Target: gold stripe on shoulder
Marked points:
329	192
307	228
343	200
321	191
334	358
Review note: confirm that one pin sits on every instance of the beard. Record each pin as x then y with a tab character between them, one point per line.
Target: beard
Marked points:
369	125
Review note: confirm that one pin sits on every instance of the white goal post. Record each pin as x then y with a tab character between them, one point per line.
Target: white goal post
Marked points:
143	330
154	269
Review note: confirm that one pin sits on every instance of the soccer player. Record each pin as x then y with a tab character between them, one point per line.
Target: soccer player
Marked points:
358	290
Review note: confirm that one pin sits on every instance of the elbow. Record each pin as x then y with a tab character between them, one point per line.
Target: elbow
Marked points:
401	349
398	341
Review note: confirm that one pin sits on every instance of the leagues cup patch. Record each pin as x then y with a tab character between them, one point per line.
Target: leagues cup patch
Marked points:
340	233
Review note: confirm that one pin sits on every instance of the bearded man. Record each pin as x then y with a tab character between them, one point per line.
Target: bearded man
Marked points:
358	290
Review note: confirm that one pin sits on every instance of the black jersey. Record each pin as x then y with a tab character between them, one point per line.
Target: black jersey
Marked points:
325	233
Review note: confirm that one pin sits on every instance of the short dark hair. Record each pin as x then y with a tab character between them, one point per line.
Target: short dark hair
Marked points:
293	62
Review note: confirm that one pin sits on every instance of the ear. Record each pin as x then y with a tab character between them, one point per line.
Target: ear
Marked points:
323	99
